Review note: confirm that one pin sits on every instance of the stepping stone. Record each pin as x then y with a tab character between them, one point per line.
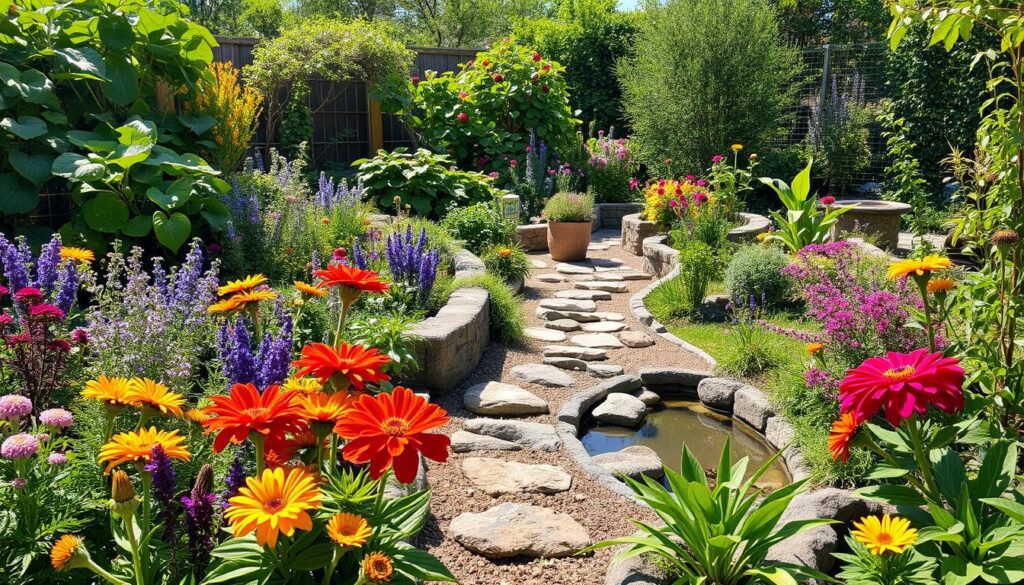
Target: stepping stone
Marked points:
542	374
616	287
581	353
551	277
608	264
589	295
538	263
610	277
635	339
647	397
529	435
553	315
633	462
632	275
597	247
544	334
566	363
463	442
563	268
604	327
605	370
563	325
512	529
609	316
599	340
583	277
583	306
621	409
495	398
497	477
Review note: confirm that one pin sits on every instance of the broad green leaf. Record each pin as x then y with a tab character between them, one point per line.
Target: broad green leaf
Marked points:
802	183
105	212
34	167
127	156
25	127
115	32
774	575
138	226
86	62
215	213
137	132
17	195
176	195
197	124
35	88
898	495
74	166
123	87
171	231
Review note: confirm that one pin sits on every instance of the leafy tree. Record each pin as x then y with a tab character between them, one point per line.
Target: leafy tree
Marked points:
454	23
816	22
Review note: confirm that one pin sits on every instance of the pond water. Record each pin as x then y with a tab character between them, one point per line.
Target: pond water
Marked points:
677	422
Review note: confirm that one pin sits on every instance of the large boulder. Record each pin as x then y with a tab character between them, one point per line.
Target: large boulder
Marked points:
497	477
633	462
512	529
530	435
718	393
752	407
496	398
621	409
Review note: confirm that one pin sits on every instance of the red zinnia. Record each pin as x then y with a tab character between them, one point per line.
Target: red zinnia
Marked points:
389	431
355	363
536	56
828	200
902	383
498	78
463	117
351	277
843	432
272	413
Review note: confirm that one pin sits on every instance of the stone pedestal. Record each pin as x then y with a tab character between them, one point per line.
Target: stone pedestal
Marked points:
635	231
881	218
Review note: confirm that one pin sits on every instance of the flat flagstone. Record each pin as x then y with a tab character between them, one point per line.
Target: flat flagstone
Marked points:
566	363
553	315
513	529
544	334
590	354
608	263
541	374
617	287
581	305
529	435
631	275
605	370
563	325
538	263
604	327
497	477
496	398
551	277
564	268
636	339
621	409
588	295
598	340
609	277
598	247
465	442
610	316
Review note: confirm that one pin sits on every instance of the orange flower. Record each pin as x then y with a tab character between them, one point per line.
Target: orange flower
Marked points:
246	411
274	503
390	431
253	296
918	266
814	348
323	411
154	395
351	277
303	385
244	285
114	391
352	363
68	552
80	255
377	567
941	285
348	530
281	450
196	415
309	289
843	432
136	446
225	306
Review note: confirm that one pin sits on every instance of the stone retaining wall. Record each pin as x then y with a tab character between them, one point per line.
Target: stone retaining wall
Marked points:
534	237
636	231
449	345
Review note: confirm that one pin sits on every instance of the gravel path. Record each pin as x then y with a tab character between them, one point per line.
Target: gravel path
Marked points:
601	512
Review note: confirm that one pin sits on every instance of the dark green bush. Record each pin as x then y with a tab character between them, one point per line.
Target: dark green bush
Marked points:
508	262
755	271
507	319
479	227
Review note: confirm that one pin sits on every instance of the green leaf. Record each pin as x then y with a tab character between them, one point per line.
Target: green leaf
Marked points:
123	87
34	167
802	183
171	231
138	226
774	575
950	473
74	166
105	212
16	196
86	61
957	571
176	195
996	472
898	495
215	213
197	124
137	132
25	127
115	32
35	88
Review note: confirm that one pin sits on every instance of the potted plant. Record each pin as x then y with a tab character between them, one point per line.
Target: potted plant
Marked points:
569	218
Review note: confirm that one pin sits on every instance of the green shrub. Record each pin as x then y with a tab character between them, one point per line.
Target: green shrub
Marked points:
479	226
483	115
508	262
755	271
698	268
706	74
569	207
609	168
508	321
422	180
753	352
838	133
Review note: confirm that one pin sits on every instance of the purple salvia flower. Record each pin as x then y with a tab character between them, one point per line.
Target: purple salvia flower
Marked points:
239	363
46	266
236	475
67	287
199	516
162	469
357	255
188	275
15	269
160	279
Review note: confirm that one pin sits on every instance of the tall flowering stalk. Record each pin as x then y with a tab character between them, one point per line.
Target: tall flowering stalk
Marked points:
411	263
199	521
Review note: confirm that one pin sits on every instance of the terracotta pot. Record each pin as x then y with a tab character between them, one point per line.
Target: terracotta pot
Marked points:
568	241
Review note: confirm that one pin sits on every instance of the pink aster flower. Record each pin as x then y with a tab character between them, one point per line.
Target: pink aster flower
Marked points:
14	406
902	384
20	446
57	458
717	158
28	295
701	183
5	320
700	197
43	437
57	418
46	312
4	290
19	483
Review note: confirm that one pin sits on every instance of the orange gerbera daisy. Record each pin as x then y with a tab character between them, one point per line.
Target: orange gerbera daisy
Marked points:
114	391
843	432
196	415
377	567
349	365
247	411
348	530
303	385
814	347
309	289
68	552
137	445
323	411
224	306
80	255
918	266
244	285
154	395
390	431
253	296
351	277
941	285
272	504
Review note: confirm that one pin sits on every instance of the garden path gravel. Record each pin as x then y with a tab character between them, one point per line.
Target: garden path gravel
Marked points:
601	512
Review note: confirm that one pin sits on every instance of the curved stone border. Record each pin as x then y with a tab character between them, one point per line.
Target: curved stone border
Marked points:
534	236
636	231
449	345
639	308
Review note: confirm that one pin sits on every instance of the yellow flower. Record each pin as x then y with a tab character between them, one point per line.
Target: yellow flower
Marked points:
941	285
68	552
225	306
254	296
136	446
152	394
309	289
814	348
348	530
303	385
244	285
80	255
196	415
274	504
918	266
890	534
736	147
114	391
377	567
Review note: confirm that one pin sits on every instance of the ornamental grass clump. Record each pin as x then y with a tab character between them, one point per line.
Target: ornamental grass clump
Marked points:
569	208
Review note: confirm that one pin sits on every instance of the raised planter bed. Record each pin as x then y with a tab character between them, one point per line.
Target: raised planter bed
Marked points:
635	230
880	218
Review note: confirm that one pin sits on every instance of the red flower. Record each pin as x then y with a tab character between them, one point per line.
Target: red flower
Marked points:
545	88
486	63
355	363
463	117
498	78
546	67
390	431
415	79
29	295
828	200
843	432
45	312
902	383
536	56
351	277
272	413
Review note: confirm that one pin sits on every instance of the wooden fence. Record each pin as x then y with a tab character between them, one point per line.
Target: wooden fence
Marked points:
350	126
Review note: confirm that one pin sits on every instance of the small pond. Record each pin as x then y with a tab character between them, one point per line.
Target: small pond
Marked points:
675	422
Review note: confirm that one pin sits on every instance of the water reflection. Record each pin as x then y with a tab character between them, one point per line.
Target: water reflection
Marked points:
679	422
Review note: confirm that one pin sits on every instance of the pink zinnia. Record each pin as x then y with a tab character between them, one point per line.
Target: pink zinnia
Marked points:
828	200
700	197
46	312
20	446
701	183
3	290
57	418
717	158
14	406
57	458
902	384
5	319
28	295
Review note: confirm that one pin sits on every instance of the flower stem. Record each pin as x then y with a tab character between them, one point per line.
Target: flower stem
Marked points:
258	440
922	284
887	457
341	322
101	572
147	484
931	490
329	571
381	486
129	529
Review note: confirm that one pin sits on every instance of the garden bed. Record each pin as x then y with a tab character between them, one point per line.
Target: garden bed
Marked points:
635	231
